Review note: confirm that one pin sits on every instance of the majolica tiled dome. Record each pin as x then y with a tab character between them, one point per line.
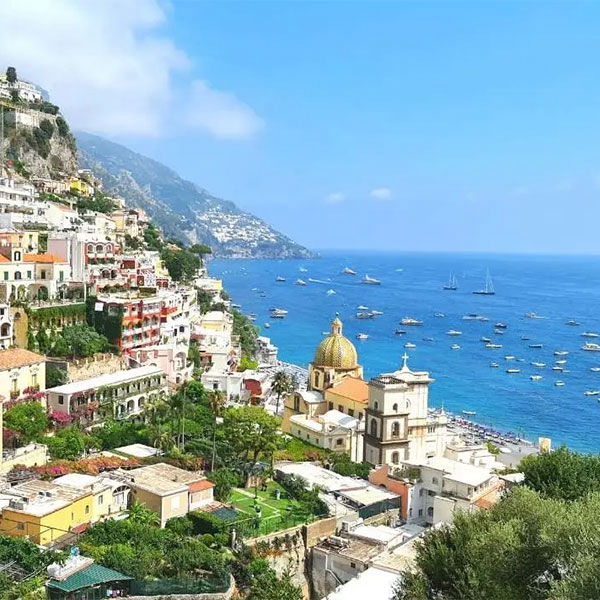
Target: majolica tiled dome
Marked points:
336	350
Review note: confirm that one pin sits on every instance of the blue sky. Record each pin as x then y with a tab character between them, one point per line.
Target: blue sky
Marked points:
383	125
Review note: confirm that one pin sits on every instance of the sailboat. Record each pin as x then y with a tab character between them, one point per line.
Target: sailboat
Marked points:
488	290
452	283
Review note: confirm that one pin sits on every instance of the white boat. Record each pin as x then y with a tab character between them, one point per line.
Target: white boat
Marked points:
487	340
561	362
300	282
452	284
439	315
511	371
557	368
370	280
362	336
559	383
591	393
588	347
595	369
572	323
474	317
589	334
453	332
376	312
362	307
488	290
525	338
348	271
495	365
532	315
499	331
364	315
538	364
471	413
410	345
535	377
303	270
538	346
399	270
278	313
455	347
493	346
411	322
330	292
509	357
267	325
500	325
279	278
565	352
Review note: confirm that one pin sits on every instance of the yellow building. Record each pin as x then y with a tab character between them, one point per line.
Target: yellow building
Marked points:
81	186
349	396
21	372
44	511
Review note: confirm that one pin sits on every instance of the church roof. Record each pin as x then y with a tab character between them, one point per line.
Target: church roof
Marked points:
336	350
351	387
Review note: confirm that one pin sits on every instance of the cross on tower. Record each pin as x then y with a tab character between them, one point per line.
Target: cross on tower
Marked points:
405	361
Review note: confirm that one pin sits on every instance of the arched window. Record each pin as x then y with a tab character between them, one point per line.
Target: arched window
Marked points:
374	427
395	408
90	247
296	404
395	458
395	429
17	255
375	405
17	274
430	511
99	248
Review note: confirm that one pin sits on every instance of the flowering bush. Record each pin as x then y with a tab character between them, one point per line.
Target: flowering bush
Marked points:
60	419
87	466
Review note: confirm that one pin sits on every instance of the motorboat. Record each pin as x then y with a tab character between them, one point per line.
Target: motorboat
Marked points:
536	346
540	365
572	323
400	332
500	325
595	369
559	383
364	315
499	331
428	339
278	313
589	334
565	352
535	377
452	284
300	282
376	312
267	325
524	338
591	393
532	315
495	365
330	292
439	315
348	271
362	307
470	413
487	340
303	270
474	317
488	289
410	345
589	347
455	347
362	336
509	357
493	346
454	332
236	306
407	321
512	371
279	278
557	368
370	280
561	362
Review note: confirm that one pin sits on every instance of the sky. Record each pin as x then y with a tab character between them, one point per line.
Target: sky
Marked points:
425	126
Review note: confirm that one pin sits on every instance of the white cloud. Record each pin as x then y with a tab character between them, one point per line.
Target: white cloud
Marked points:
111	68
335	197
381	193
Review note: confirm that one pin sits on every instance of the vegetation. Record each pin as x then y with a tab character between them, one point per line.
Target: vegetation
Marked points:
342	464
55	376
247	363
152	238
11	75
225	480
97	203
243	327
28	419
181	264
283	384
70	443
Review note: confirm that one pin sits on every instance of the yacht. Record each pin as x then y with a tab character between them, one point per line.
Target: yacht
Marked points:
488	290
455	347
279	278
452	285
370	280
511	371
348	271
303	270
589	334
500	325
532	315
453	332
595	369
364	315
559	383
561	362
362	336
591	393
557	368
409	345
407	321
439	315
278	313
330	292
540	365
267	325
509	357
400	331
470	413
535	377
362	307
474	317
300	282
487	340
495	365
572	322
536	345
565	352
376	312
493	346
589	347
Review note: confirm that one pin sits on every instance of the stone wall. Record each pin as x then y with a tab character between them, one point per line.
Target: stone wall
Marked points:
99	364
218	596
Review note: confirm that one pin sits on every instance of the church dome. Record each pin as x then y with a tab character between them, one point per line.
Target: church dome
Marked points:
336	350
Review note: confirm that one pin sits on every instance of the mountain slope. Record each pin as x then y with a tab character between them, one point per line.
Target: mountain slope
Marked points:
180	207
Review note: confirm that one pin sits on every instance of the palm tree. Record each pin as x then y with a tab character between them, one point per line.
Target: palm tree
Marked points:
282	384
162	439
217	399
139	513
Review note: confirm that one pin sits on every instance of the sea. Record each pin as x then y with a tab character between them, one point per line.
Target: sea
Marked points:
556	288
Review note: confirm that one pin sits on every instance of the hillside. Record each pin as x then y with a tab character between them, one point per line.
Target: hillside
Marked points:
179	206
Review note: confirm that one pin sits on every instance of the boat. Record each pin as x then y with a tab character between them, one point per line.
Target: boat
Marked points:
370	280
300	282
314	280
452	285
572	323
279	278
252	318
400	331
330	292
561	362
536	345
455	347
278	313
348	271
535	377
362	307
488	290
439	315
591	393
559	383
557	368
474	317
376	313
588	347
564	352
500	325
487	340
495	365
595	369
364	315
409	345
589	334
362	336
511	371
538	364
471	413
524	338
509	357
303	270
499	331
399	270
267	325
428	339
407	321
532	315
453	332
236	306
493	346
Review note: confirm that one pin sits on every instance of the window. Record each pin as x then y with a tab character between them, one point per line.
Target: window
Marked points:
339	441
28	274
61	276
100	500
15	385
431	429
351	412
42	275
296	404
374	428
61	400
360	416
395	458
420	512
395	429
331	406
87	509
340	408
395	408
434	480
21	526
353	565
5	275
17	255
34	380
17	274
376	405
430	511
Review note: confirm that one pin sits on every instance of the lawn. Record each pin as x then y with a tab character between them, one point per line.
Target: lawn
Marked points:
243	500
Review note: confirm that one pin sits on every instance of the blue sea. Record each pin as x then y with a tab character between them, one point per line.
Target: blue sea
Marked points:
555	288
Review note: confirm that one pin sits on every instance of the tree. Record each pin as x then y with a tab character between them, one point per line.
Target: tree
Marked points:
162	438
246	363
28	419
79	341
141	515
47	127
62	127
181	264
248	332
42	340
68	444
265	585
225	480
11	75
283	384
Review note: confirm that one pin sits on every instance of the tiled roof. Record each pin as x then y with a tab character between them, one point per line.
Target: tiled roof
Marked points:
90	576
4	259
43	258
18	357
351	387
